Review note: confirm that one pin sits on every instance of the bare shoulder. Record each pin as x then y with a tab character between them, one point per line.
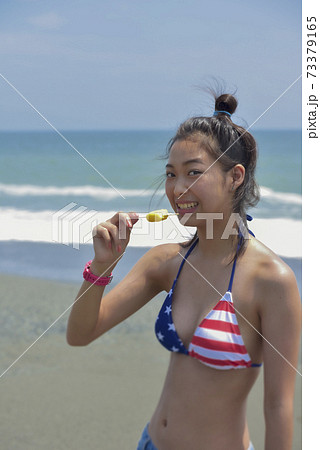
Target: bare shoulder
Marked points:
279	308
269	267
273	279
161	261
162	254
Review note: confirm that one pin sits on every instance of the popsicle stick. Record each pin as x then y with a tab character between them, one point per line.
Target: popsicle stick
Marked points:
143	216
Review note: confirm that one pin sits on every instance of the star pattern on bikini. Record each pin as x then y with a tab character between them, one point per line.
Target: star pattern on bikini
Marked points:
171	327
168	310
160	336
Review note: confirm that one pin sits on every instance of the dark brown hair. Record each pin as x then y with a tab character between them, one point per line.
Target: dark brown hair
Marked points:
229	143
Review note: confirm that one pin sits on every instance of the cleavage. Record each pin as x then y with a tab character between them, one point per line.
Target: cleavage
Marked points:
191	302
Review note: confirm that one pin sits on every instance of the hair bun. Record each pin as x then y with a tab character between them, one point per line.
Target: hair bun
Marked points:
226	102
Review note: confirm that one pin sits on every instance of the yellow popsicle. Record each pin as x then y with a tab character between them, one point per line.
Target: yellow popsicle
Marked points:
157	216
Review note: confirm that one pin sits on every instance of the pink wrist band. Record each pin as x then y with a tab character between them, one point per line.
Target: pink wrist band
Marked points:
99	281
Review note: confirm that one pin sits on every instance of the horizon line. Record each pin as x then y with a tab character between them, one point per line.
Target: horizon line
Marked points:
85	130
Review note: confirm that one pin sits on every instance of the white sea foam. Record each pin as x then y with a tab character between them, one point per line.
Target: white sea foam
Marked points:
109	193
286	197
86	191
73	227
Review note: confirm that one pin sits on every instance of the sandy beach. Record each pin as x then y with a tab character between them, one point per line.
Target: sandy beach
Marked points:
100	397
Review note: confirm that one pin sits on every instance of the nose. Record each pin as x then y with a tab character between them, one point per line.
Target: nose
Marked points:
180	187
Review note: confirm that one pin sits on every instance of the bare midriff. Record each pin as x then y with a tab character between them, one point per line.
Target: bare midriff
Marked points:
202	408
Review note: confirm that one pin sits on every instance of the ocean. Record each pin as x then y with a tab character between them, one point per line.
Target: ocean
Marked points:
49	198
53	192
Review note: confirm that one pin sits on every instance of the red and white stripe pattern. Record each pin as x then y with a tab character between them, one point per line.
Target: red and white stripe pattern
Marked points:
217	341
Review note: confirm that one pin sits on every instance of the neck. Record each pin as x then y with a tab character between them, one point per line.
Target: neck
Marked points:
217	244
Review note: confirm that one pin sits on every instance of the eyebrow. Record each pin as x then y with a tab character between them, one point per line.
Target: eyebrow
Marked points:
196	160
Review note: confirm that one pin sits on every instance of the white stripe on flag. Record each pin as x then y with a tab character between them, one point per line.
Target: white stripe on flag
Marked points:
217	335
220	355
224	316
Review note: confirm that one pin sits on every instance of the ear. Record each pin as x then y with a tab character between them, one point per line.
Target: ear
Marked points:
237	174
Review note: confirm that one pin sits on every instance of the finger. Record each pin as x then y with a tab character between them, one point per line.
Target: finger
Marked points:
114	235
134	217
120	226
101	231
126	222
109	233
114	219
125	227
117	235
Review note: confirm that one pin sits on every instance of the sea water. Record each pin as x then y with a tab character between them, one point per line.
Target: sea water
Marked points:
47	179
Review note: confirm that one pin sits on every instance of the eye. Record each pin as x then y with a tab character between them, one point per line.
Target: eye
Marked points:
194	172
169	175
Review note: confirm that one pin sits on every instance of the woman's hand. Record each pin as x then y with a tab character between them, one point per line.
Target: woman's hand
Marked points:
110	239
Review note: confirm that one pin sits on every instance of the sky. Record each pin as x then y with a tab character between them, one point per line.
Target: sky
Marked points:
140	64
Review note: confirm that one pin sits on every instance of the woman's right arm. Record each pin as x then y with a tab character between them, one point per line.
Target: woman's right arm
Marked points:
92	314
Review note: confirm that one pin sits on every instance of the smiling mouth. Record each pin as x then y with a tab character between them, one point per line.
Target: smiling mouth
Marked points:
185	206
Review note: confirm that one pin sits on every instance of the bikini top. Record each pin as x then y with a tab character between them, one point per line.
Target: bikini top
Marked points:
217	341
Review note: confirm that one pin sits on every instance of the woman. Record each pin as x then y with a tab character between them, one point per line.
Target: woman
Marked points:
232	302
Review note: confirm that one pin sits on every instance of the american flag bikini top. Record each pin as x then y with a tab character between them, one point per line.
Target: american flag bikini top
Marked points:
217	341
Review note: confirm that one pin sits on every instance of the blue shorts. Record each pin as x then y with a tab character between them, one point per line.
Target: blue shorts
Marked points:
146	443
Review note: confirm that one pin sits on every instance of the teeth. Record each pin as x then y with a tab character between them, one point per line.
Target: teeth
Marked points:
186	205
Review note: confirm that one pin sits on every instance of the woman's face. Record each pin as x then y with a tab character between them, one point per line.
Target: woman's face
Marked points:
195	183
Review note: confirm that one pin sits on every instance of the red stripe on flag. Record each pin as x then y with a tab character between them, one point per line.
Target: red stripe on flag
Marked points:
211	344
224	305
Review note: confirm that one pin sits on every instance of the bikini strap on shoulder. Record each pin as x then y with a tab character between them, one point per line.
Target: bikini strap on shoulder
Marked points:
249	219
186	256
232	273
241	238
235	261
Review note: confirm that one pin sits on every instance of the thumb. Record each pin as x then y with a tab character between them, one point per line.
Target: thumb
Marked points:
134	217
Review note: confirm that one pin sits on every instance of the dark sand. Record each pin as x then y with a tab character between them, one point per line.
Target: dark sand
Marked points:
97	397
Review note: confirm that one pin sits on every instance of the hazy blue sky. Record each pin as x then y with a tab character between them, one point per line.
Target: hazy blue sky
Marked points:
104	64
